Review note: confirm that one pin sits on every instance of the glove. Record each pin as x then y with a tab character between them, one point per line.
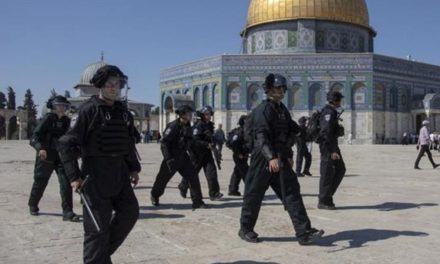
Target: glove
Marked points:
417	147
171	164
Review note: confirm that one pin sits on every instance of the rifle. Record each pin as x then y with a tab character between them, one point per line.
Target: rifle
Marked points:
86	203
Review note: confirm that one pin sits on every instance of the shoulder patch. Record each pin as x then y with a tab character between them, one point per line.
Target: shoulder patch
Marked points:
327	117
196	131
73	120
167	131
235	137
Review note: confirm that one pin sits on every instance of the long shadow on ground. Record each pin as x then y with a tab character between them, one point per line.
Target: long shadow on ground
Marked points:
388	206
245	262
356	238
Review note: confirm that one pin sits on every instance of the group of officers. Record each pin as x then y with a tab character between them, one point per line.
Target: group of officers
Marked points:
103	135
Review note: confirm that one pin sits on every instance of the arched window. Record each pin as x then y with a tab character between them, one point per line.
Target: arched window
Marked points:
197	102
255	95
206	96
379	96
215	97
295	96
393	97
233	95
359	93
315	99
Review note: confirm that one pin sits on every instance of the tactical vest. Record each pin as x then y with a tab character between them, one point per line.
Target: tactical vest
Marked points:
280	126
56	128
110	135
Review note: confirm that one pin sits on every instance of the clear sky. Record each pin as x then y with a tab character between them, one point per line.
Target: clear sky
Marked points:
47	44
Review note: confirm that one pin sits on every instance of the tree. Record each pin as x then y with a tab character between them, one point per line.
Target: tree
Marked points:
11	98
3	100
31	108
67	94
156	111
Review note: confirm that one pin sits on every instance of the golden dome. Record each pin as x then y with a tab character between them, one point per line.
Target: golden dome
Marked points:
347	11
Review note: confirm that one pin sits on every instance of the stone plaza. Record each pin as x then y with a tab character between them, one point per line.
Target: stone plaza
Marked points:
387	213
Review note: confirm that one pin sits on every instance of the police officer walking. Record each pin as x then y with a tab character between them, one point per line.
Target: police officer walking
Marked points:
302	149
45	140
273	132
201	153
104	134
332	165
240	153
174	146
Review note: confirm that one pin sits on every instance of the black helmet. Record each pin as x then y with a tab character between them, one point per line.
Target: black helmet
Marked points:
58	99
242	120
101	76
183	109
334	96
274	80
207	108
302	120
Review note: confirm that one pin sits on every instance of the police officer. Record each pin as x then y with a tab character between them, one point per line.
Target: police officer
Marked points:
45	139
104	134
175	144
201	153
332	165
240	156
273	131
302	150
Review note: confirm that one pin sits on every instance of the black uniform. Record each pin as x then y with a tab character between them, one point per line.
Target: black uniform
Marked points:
175	143
106	139
238	148
274	131
303	152
45	137
201	157
332	171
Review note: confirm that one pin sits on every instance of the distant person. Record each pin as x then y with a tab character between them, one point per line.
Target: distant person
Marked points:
219	138
302	150
405	138
423	146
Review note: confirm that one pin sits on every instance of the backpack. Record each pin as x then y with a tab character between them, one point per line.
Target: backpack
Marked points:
248	132
230	138
313	127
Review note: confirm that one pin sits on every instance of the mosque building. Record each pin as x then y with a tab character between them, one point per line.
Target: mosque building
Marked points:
319	46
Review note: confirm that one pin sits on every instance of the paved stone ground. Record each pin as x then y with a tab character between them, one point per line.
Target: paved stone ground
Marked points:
388	213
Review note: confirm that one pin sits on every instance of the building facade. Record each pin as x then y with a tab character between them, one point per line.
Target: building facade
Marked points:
320	46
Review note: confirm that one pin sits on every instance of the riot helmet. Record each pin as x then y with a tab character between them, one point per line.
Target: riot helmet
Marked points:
242	120
334	96
104	73
57	100
274	80
183	109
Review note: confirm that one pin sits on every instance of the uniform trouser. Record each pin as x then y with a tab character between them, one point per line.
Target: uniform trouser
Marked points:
424	149
211	176
42	172
303	152
332	173
239	173
258	179
185	168
115	227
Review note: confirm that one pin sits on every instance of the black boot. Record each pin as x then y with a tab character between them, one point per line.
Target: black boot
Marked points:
310	236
